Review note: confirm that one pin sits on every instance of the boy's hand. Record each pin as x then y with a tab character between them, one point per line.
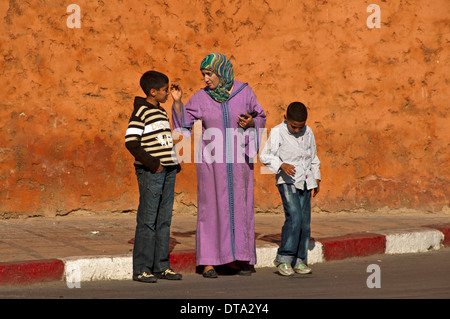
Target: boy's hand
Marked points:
160	168
176	92
288	169
317	189
246	121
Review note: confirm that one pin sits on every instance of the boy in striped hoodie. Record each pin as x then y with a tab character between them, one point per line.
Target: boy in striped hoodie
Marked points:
149	140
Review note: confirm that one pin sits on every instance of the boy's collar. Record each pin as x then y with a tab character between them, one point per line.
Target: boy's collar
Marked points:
154	104
143	101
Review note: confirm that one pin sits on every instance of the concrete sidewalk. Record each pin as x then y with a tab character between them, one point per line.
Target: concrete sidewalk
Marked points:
98	247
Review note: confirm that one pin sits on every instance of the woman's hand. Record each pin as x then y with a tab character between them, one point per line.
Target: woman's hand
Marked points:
246	121
176	92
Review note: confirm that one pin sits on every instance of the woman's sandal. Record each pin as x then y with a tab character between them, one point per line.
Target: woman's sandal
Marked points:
210	273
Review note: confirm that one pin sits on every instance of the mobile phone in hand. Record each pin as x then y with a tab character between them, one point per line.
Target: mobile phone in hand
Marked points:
253	114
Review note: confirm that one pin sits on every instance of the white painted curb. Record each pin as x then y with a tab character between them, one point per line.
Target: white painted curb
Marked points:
85	268
265	254
81	269
412	241
315	253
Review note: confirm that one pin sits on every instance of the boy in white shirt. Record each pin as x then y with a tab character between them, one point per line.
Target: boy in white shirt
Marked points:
291	153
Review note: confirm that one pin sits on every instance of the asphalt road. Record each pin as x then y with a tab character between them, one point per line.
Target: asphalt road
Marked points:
408	276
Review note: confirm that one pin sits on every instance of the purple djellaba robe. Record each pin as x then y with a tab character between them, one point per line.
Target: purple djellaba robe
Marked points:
225	219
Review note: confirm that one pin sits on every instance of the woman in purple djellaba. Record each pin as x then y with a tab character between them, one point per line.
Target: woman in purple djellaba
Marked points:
232	119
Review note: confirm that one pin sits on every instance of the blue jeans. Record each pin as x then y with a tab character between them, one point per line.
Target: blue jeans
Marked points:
154	216
297	226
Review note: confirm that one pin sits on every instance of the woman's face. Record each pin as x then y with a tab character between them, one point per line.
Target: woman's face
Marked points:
211	79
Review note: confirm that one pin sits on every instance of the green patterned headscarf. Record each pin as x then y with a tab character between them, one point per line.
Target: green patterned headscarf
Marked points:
223	68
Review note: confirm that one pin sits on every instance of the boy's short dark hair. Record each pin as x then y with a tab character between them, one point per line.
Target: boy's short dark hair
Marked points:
296	111
153	80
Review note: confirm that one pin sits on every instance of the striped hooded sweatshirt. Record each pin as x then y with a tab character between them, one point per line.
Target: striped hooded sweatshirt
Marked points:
149	137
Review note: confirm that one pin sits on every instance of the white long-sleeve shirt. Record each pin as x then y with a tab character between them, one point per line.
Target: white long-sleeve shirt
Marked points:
296	149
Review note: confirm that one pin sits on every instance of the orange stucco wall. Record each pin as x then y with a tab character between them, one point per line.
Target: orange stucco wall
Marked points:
378	98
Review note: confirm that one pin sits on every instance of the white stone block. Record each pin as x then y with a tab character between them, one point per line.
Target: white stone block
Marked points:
98	268
315	253
265	255
412	241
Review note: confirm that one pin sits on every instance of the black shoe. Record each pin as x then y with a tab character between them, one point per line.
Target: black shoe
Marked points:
168	274
246	270
210	274
144	277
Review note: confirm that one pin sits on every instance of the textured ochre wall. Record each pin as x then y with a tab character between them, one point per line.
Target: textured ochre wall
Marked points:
378	97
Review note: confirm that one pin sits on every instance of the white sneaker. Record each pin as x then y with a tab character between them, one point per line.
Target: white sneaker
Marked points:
302	269
284	269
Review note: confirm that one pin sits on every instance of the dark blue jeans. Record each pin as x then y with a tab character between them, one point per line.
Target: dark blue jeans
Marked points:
296	230
154	216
